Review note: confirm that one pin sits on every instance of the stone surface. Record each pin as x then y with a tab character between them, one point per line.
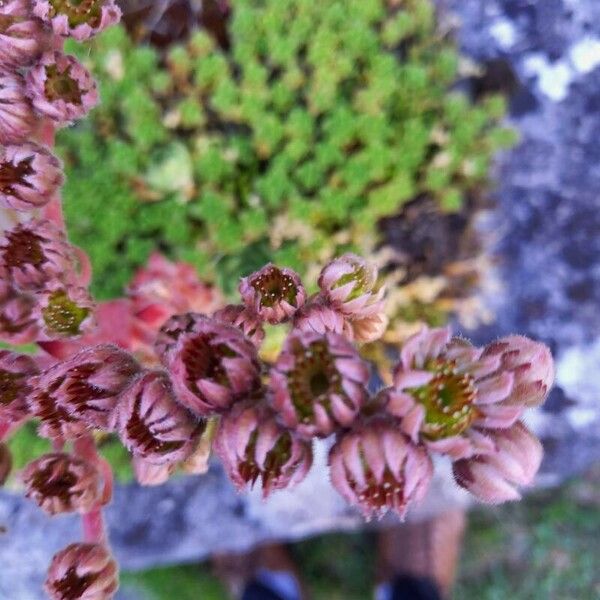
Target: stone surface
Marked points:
547	223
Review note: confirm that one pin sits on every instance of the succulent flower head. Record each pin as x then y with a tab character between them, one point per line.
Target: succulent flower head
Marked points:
79	19
351	285
150	422
5	463
29	176
21	36
63	311
15	373
60	483
318	383
61	88
18	323
34	253
446	392
17	118
82	391
493	477
213	366
254	447
377	468
82	572
244	320
274	294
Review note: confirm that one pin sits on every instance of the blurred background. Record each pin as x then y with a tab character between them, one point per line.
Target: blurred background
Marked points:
455	142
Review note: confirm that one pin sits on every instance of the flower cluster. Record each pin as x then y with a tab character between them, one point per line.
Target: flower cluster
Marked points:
43	281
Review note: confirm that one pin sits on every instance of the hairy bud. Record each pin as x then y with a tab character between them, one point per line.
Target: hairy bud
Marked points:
377	468
16	371
18	323
244	320
60	483
82	572
17	119
253	446
21	36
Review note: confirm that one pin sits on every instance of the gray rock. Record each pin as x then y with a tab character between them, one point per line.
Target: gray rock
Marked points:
547	222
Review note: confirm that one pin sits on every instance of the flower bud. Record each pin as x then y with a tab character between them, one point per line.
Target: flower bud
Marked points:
377	468
5	463
33	253
531	364
151	424
79	19
21	36
319	317
244	320
351	285
61	88
493	477
213	366
173	329
272	293
18	323
60	483
369	329
82	391
29	176
82	572
318	383
253	446
149	474
17	119
63	311
15	373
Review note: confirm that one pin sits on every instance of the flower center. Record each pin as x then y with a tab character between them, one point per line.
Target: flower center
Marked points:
204	360
72	585
448	400
314	379
63	316
78	12
11	385
23	248
61	86
15	174
274	286
54	481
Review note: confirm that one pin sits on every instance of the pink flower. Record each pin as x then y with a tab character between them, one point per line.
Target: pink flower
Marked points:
21	35
212	367
253	446
15	373
350	284
319	317
29	176
447	393
150	422
318	383
18	324
173	329
163	289
246	321
60	483
531	364
63	311
514	461
61	88
369	329
82	572
377	468
81	392
79	19
34	253
17	119
274	294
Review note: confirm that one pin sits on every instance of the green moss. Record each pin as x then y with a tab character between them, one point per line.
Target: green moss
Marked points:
319	120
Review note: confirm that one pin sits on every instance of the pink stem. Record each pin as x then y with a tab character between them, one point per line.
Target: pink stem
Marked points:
93	521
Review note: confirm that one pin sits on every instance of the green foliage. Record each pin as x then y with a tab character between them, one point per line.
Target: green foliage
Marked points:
320	119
